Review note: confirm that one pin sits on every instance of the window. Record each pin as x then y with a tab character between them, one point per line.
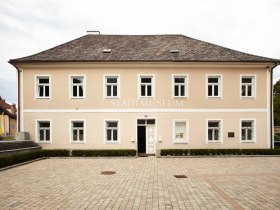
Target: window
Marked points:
179	86
214	86
247	130
77	87
43	131
214	131
180	131
111	86
43	87
247	86
146	86
112	131
78	131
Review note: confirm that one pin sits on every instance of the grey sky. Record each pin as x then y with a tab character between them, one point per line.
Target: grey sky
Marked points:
30	26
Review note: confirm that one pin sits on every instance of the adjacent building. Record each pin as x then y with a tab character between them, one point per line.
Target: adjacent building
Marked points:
8	119
145	92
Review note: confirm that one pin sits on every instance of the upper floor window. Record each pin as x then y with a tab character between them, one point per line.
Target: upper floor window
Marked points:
214	86
111	131
77	131
111	86
180	131
43	87
247	130
43	131
179	86
146	86
77	86
247	86
214	129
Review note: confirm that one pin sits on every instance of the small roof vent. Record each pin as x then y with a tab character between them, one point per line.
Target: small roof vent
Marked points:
106	50
174	50
93	32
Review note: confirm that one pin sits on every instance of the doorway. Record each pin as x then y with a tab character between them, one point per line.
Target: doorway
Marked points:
146	136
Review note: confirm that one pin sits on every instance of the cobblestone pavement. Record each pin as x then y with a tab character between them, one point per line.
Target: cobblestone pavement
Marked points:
143	183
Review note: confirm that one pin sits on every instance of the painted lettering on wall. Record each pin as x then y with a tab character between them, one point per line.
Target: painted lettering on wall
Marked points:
147	103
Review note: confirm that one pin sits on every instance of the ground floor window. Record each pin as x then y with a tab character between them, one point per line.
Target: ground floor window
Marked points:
214	131
77	131
43	131
111	131
247	130
180	131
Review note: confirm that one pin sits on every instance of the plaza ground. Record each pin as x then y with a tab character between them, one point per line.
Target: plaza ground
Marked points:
143	183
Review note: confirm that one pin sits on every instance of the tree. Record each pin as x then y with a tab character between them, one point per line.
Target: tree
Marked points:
276	103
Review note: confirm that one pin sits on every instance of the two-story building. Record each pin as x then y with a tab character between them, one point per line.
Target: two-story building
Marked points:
145	92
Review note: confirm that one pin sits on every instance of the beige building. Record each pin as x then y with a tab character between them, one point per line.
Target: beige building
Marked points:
8	119
145	92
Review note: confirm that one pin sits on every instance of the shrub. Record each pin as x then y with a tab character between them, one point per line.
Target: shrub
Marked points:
103	153
56	153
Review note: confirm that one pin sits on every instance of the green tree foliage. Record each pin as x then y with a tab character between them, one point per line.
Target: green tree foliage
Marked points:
276	103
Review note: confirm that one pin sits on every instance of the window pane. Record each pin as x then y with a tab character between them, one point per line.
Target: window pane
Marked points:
180	130
182	90
75	94
141	122
249	90
112	124
246	124
250	134
41	135
109	135
44	124
179	80
44	81
151	122
243	90
149	90
216	133
108	87
47	92
216	90
213	124
210	134
246	80
213	80
81	132
115	135
81	91
112	80
75	135
78	124
115	90
77	80
243	133
146	80
176	90
41	91
143	92
210	90
47	135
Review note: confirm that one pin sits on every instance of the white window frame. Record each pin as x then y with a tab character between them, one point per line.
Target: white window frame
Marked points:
37	131
37	77
220	141
105	131
186	85
71	131
71	86
254	85
105	85
186	140
220	86
153	85
254	130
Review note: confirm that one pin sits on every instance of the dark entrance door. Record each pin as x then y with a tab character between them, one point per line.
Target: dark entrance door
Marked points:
141	137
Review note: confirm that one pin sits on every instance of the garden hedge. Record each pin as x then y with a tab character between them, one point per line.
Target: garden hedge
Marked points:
103	153
202	152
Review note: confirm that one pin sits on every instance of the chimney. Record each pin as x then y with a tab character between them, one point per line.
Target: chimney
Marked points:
93	32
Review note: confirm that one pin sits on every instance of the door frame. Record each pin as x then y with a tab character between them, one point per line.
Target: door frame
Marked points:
156	133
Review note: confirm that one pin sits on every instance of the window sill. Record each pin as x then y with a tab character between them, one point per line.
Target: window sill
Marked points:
252	141
248	97
43	142
112	142
180	142
180	97
77	98
43	98
113	97
214	97
76	142
214	142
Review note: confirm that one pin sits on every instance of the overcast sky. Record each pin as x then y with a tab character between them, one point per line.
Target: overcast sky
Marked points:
30	26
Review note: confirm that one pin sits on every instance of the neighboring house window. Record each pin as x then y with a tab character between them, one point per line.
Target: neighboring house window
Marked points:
214	86
77	131
146	86
247	86
112	86
77	86
43	131
43	87
214	130
112	131
247	130
180	86
180	131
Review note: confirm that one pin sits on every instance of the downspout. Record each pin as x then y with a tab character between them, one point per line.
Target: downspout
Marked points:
271	108
18	94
